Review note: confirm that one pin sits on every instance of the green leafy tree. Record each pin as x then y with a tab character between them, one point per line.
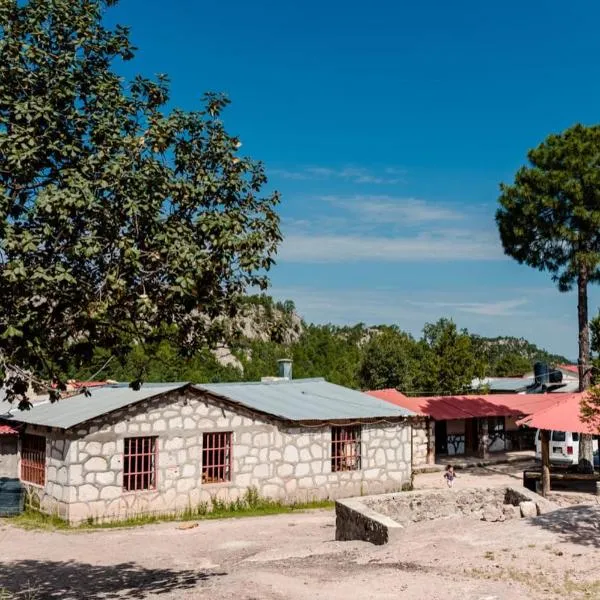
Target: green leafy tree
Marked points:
121	222
549	219
389	360
449	363
512	365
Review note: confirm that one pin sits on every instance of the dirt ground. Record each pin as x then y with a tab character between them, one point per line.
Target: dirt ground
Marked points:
296	557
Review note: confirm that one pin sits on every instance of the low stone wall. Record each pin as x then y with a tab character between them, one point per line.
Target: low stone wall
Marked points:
380	519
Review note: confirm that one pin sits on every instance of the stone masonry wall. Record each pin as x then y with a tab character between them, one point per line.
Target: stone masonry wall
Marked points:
9	456
54	497
423	443
288	464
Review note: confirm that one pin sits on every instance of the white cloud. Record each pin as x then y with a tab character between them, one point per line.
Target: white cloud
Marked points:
390	209
359	175
330	248
502	308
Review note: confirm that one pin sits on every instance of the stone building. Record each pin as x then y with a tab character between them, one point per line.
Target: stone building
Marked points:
168	447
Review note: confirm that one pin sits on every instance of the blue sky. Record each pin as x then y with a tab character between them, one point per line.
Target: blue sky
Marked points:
387	127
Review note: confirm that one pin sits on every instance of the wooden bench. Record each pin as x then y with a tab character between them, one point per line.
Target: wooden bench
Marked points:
530	478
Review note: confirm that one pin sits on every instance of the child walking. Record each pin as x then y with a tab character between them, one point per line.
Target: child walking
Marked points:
450	475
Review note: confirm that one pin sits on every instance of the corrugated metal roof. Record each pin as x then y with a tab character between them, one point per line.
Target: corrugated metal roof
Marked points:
465	407
305	400
71	411
563	415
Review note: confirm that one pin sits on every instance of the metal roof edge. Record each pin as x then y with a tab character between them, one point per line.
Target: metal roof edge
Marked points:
13	418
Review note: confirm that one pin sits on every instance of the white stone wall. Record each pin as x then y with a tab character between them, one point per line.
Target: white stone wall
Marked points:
54	497
423	442
9	456
291	464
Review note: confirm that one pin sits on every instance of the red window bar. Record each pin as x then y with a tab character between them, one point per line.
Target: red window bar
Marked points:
216	457
345	448
139	464
33	459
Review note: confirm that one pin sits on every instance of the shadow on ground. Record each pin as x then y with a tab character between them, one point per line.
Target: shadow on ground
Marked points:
575	524
76	580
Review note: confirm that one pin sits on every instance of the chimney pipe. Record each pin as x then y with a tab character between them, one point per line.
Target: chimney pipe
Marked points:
284	368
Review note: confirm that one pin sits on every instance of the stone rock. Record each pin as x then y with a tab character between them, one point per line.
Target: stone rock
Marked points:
261	471
110	492
174	444
492	514
528	509
96	463
94	448
285	470
108	448
185	485
105	478
290	454
76	474
159	425
87	493
302	469
188	471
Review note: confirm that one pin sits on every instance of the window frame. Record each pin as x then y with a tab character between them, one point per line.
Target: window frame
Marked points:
212	472
152	472
28	465
343	435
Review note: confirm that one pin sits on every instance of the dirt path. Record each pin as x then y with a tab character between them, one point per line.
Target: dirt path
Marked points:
296	557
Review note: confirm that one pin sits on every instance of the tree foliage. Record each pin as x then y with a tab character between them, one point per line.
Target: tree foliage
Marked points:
443	361
121	222
389	360
549	219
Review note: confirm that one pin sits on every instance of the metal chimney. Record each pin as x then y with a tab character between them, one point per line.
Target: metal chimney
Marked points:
284	368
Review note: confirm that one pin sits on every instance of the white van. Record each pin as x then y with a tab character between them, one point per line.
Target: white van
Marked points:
564	448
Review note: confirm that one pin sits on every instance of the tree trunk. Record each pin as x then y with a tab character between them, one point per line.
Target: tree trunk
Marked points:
586	451
545	439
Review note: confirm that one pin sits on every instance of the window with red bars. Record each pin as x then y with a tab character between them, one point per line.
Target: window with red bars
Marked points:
33	459
216	457
139	464
345	448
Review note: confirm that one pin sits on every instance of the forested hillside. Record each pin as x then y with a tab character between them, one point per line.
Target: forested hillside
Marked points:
443	360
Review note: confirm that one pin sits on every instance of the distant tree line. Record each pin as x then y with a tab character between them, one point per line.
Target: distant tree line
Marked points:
443	360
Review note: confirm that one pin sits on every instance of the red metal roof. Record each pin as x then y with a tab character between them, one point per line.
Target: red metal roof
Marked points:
564	415
7	430
570	368
465	407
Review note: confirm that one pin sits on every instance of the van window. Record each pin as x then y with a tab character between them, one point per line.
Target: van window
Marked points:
559	436
575	437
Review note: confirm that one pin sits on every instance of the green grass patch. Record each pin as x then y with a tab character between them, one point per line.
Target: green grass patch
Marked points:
250	505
